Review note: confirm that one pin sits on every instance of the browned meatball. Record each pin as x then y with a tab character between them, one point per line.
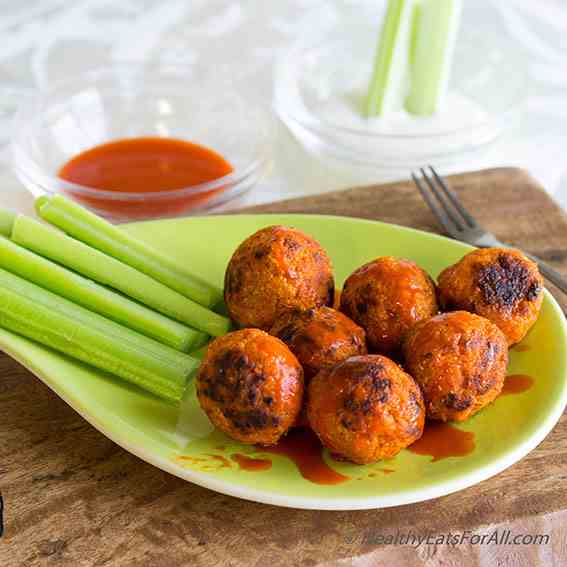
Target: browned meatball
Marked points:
320	338
459	360
386	297
276	269
366	408
251	386
497	283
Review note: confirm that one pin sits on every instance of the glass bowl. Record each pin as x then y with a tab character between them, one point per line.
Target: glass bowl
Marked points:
137	101
320	86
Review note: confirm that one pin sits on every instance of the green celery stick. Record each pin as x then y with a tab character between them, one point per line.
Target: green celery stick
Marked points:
53	321
433	45
7	219
391	61
106	270
97	298
89	228
62	305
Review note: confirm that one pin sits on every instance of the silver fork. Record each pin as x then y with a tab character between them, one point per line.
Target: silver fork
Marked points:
461	225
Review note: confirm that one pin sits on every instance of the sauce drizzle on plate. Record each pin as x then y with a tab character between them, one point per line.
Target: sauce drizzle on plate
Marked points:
251	464
206	462
442	440
303	447
516	384
383	471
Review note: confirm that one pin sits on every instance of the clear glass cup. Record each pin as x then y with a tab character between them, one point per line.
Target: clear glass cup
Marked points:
129	101
320	86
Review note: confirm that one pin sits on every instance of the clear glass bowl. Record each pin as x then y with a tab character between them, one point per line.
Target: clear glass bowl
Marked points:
320	88
133	101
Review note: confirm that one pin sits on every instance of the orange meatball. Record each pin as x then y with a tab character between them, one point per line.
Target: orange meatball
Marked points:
459	360
250	385
276	269
497	283
366	408
386	297
320	338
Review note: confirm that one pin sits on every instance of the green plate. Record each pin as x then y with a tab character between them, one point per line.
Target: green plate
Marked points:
183	442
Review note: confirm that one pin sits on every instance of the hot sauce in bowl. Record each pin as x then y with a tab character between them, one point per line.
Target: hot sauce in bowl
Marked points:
117	114
177	176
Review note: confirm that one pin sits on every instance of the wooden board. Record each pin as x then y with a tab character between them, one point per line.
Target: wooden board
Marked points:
73	497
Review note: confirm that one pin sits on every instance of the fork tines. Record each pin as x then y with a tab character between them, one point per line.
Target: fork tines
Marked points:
443	202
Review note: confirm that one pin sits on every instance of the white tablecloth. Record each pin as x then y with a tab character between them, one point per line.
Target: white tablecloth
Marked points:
46	40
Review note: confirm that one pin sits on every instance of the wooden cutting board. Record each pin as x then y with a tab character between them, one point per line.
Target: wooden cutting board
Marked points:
73	497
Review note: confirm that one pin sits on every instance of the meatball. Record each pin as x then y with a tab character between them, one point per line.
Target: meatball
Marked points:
499	284
386	297
276	269
320	338
250	385
459	360
366	408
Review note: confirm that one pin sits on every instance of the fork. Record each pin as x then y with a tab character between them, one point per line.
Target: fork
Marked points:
461	225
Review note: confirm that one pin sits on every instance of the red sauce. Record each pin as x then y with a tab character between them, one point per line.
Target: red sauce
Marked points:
443	440
222	460
249	464
146	165
516	384
383	471
303	447
521	348
207	461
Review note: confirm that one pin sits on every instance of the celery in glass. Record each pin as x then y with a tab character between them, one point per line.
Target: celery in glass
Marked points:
390	73
434	35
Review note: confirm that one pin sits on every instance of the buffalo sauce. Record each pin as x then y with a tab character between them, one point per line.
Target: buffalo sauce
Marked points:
146	165
303	447
442	440
516	384
251	464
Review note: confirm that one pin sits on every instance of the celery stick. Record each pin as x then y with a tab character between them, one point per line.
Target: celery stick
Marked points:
391	61
40	315
112	240
106	270
7	219
97	298
70	309
433	45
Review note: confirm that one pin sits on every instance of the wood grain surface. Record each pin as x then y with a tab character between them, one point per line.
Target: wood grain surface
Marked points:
72	497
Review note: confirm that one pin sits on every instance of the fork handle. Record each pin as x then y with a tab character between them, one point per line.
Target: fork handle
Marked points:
552	275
